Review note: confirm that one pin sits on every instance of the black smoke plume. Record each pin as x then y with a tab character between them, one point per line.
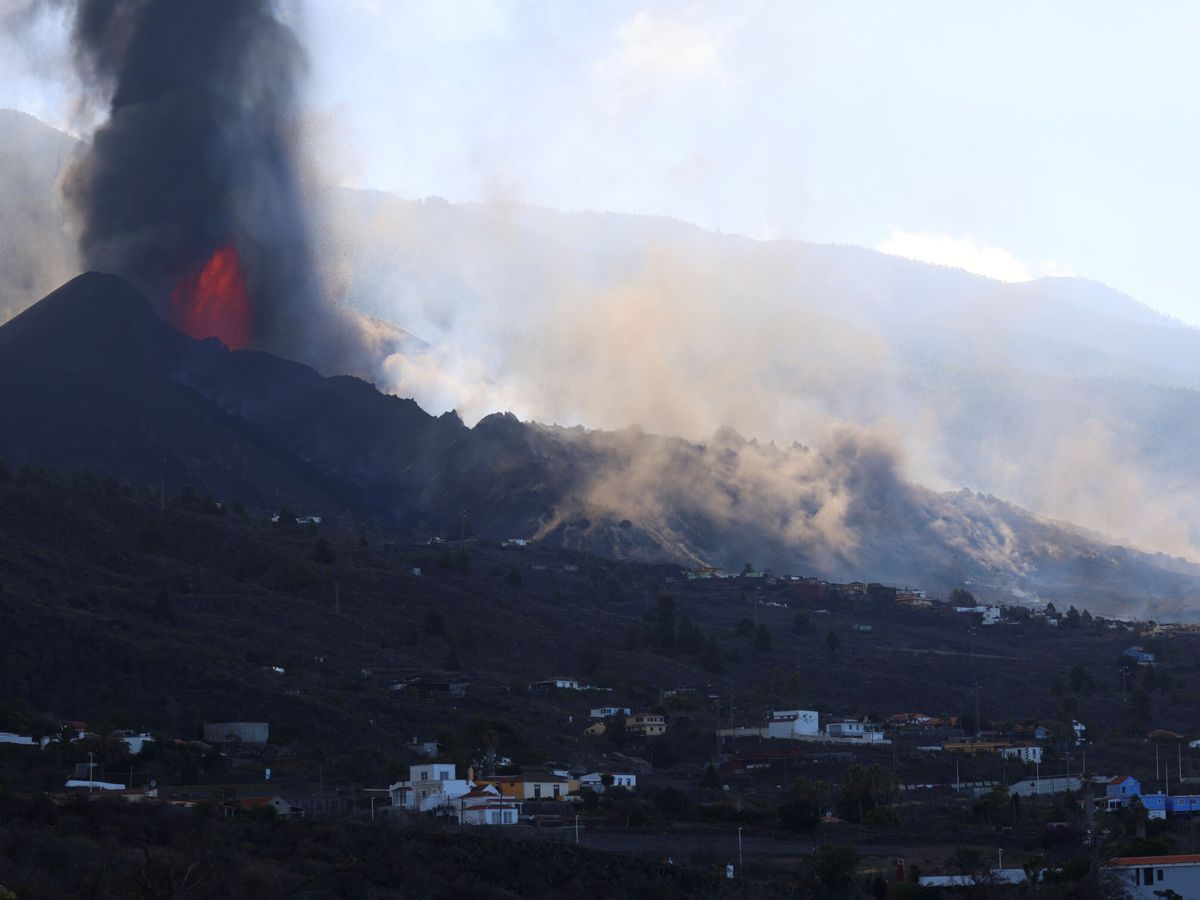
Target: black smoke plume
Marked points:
199	151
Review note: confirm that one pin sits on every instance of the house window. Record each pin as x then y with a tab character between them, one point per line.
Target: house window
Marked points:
556	789
1148	875
537	791
1160	874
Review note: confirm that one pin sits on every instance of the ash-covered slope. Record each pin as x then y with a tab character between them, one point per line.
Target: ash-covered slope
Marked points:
97	381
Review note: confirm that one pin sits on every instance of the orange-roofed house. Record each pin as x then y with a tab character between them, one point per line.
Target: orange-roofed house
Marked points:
1149	877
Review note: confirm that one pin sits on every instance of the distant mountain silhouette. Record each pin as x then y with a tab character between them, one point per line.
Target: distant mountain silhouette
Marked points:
97	382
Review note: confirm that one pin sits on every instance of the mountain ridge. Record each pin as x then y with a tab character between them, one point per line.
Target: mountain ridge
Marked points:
147	404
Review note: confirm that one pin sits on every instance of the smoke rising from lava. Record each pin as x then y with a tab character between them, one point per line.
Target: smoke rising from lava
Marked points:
194	179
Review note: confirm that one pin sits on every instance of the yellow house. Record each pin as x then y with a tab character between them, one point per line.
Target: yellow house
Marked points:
646	725
534	786
596	729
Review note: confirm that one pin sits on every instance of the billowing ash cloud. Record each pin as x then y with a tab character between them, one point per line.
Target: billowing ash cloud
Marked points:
191	189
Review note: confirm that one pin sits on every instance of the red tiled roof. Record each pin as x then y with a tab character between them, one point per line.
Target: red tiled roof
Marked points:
1182	859
251	802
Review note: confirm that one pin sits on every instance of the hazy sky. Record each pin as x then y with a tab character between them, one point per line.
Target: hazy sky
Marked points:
1013	139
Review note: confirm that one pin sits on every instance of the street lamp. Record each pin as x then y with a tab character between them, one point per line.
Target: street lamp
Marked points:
739	847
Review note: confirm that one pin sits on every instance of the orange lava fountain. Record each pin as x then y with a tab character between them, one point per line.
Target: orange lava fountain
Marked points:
212	301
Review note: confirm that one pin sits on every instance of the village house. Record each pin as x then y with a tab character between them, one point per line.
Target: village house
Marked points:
596	729
972	747
646	725
534	786
7	737
1120	790
560	683
432	786
428	687
1141	656
428	747
1027	753
1044	787
135	741
485	805
1031	731
594	781
276	804
792	723
609	712
920	720
1153	876
853	729
236	732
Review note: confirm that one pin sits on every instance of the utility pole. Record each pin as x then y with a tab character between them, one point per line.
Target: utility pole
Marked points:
975	674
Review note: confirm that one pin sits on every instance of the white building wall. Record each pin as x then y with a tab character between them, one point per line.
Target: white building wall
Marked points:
787	722
1184	880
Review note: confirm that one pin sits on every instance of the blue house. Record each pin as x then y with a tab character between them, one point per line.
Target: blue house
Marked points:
1139	655
1119	791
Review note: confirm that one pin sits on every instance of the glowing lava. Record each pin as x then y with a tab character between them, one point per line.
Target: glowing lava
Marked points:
212	301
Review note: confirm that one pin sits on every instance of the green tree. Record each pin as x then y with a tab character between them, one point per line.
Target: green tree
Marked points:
1139	708
151	538
801	624
833	641
435	624
711	660
744	627
967	860
591	656
513	578
1073	618
834	866
164	610
865	788
664	623
689	638
1081	680
323	552
762	638
962	597
711	779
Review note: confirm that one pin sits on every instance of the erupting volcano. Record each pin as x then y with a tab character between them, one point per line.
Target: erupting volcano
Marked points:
211	301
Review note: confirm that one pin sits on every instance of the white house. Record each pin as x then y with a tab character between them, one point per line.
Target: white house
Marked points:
559	683
855	730
82	783
991	615
434	785
485	805
788	723
135	742
1053	784
1153	876
610	712
7	737
1029	753
595	781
